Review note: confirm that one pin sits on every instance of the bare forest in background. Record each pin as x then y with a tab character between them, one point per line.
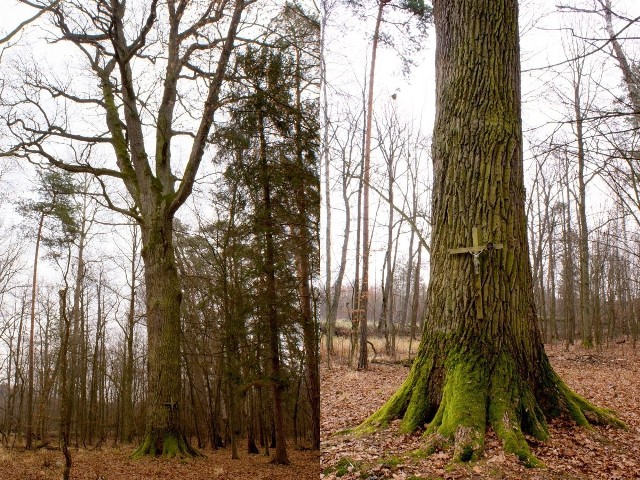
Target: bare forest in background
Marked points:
125	324
581	169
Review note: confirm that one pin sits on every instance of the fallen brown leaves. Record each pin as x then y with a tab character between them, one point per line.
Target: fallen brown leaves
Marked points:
115	464
608	377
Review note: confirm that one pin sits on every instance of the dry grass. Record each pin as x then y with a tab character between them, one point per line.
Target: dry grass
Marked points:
342	345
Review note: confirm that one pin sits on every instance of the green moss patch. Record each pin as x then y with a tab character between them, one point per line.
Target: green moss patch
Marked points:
342	467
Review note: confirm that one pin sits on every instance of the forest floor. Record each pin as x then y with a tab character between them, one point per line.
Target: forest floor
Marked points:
609	377
115	464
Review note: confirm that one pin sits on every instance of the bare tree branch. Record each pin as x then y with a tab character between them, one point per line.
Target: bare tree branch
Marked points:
42	10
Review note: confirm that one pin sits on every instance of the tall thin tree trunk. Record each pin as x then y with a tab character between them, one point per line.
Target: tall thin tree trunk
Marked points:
305	270
539	267
95	370
329	299
355	299
568	287
251	421
586	323
34	287
387	288
415	303
74	383
552	282
280	455
15	418
406	298
65	407
337	286
363	359
126	433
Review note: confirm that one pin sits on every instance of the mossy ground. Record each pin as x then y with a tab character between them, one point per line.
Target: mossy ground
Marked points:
476	395
170	445
607	377
342	467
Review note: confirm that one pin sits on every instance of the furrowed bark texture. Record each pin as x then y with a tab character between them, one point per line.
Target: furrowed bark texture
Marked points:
473	372
164	434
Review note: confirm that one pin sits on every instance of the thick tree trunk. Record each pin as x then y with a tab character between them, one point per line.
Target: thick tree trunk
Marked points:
473	370
164	434
630	77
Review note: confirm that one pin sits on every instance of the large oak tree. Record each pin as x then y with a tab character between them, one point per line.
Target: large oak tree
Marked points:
152	73
481	362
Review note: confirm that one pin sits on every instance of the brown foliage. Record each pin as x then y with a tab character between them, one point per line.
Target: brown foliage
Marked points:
115	464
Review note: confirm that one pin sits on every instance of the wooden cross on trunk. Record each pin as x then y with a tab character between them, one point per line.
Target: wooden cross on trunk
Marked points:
476	250
173	412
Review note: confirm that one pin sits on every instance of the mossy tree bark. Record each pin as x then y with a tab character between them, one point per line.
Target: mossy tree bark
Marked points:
119	60
164	434
471	373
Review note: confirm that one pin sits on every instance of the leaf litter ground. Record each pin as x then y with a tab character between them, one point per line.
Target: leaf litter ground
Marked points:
115	464
609	377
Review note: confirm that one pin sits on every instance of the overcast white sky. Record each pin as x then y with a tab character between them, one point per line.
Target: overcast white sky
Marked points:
348	50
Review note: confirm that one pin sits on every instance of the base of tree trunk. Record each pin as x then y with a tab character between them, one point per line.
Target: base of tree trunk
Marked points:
251	446
474	396
280	460
166	445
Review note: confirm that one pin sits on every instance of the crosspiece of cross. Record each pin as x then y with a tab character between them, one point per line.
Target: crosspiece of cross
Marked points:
476	250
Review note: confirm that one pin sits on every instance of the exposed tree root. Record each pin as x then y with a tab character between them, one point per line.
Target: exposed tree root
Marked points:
167	445
475	396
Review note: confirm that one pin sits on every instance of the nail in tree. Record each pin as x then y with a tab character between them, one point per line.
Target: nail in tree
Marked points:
481	361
